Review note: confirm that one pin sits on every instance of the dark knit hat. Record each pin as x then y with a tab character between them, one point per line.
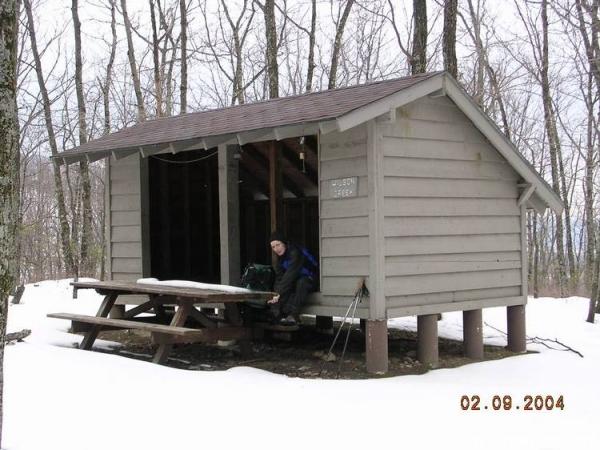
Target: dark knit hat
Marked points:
277	236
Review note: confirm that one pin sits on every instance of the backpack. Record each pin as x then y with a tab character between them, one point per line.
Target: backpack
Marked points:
258	277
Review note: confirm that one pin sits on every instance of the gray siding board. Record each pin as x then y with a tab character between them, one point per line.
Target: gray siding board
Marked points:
430	148
127	265
448	168
340	286
449	188
345	227
429	267
345	266
458	257
454	296
437	207
126	234
125	187
444	282
436	226
125	202
123	173
126	249
423	245
120	218
340	168
344	207
455	306
345	246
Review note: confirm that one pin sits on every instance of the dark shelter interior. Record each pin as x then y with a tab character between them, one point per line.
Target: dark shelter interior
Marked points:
184	206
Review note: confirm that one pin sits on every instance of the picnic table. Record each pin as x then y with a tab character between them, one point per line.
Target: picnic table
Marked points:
165	330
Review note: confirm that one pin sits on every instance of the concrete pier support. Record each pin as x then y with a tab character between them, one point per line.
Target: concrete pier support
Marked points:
473	334
377	346
427	339
515	324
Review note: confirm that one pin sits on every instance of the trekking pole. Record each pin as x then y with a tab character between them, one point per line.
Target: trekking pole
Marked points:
358	298
354	302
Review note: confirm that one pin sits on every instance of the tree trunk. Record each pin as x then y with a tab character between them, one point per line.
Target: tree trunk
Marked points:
86	198
65	234
311	47
449	41
271	55
184	81
133	65
157	79
337	44
419	49
9	147
109	68
479	77
554	145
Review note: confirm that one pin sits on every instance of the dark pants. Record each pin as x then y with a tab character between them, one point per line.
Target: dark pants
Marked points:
290	303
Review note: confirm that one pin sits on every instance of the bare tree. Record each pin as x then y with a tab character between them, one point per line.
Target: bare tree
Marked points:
419	48
184	74
449	40
9	140
337	43
268	10
133	65
65	233
86	231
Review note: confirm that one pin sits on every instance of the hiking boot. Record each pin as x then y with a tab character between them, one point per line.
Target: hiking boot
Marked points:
288	320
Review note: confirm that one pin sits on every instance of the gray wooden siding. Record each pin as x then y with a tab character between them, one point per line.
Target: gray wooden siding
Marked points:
452	227
344	223
125	219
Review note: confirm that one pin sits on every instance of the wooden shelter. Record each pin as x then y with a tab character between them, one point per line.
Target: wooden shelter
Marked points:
404	182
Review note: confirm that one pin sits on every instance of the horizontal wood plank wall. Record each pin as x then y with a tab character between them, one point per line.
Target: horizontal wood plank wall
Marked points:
452	226
124	222
344	223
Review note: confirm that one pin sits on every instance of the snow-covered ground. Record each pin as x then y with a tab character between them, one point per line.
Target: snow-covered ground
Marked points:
58	397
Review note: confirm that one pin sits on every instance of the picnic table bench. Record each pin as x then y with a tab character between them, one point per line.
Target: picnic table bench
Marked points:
166	331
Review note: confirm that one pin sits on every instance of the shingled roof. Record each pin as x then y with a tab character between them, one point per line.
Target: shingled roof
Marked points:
301	115
311	108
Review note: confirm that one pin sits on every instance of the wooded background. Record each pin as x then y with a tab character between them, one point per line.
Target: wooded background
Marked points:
90	67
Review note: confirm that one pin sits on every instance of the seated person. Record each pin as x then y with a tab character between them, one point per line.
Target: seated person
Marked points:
295	274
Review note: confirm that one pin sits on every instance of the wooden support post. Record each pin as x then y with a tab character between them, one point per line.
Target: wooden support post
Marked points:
229	215
377	346
275	189
324	324
427	339
162	353
515	324
92	334
117	312
473	334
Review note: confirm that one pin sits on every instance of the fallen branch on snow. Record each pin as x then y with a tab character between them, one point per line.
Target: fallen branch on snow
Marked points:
17	336
542	341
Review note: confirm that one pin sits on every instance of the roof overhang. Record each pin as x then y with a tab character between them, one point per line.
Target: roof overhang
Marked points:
536	193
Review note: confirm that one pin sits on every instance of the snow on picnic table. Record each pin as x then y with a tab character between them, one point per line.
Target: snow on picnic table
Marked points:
59	397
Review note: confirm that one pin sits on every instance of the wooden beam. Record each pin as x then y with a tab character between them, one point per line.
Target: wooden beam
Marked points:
229	214
527	192
275	186
260	159
253	182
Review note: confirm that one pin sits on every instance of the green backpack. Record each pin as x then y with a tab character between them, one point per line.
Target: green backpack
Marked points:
258	277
